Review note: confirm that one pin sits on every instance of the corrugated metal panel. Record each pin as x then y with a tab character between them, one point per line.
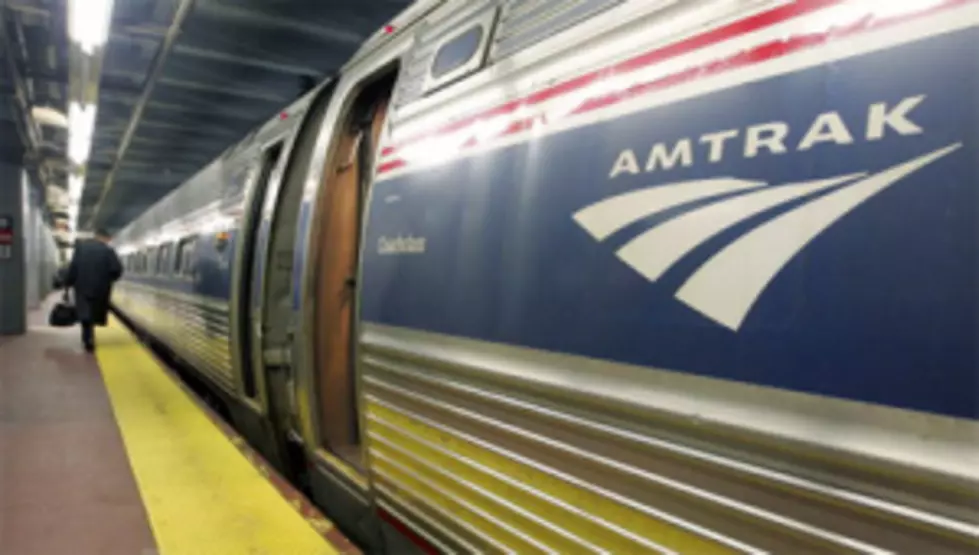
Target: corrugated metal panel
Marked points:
412	82
196	328
472	444
527	22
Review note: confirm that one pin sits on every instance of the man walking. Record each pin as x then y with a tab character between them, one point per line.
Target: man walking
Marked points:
94	268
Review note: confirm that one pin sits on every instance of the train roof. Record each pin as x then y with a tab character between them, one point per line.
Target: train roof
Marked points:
203	191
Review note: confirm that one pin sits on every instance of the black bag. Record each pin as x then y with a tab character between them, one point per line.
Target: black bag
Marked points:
64	314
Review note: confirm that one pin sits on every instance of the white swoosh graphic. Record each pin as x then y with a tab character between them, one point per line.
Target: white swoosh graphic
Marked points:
608	216
726	287
655	251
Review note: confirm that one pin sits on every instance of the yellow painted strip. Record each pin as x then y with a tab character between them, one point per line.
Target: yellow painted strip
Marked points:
202	496
383	420
487	499
507	540
582	521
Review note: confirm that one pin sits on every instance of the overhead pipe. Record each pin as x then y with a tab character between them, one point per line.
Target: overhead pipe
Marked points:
183	11
268	20
30	7
27	127
29	130
250	61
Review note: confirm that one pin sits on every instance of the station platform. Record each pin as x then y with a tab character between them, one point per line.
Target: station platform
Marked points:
110	454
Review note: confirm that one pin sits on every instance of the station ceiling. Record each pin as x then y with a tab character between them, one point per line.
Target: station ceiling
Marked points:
222	67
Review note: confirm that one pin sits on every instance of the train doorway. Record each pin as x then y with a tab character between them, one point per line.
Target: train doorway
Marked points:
245	300
277	320
341	211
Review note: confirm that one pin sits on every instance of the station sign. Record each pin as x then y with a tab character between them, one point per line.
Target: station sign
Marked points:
6	236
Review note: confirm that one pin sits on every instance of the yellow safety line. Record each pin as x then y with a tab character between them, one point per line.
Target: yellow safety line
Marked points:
202	496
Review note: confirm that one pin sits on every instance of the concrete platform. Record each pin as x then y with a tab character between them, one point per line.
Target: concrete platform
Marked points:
109	454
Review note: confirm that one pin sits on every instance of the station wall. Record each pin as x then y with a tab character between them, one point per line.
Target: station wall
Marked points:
28	253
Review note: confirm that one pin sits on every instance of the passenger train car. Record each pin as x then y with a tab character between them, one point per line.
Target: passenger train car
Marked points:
617	276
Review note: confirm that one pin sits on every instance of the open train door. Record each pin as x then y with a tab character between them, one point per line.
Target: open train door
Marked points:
342	211
271	314
327	392
244	301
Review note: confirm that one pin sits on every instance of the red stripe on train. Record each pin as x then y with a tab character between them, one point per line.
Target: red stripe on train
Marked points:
658	55
766	52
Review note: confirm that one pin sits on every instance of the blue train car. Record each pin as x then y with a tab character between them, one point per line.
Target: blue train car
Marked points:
616	276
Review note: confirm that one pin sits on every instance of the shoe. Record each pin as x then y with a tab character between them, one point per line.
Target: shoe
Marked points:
90	347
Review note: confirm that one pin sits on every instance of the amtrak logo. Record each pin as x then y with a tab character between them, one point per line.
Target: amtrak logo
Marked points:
726	286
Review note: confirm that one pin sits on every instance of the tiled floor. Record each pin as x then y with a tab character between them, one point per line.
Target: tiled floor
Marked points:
107	454
65	482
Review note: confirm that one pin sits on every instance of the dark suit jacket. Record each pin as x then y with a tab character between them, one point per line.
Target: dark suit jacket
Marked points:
93	270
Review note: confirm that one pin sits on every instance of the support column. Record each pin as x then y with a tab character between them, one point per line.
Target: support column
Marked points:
13	263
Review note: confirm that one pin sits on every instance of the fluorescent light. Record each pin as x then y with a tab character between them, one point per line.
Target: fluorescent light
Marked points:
88	23
81	125
76	183
73	219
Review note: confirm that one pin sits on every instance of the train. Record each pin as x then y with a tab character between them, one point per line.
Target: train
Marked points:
603	276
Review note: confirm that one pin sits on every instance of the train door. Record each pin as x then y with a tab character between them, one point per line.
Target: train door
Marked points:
245	300
341	210
274	317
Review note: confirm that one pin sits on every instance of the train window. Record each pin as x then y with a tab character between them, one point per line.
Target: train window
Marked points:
190	257
461	53
449	46
152	261
455	53
178	261
166	259
184	261
158	266
163	260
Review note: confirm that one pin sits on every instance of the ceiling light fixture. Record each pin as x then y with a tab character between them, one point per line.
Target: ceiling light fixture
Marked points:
81	125
45	115
76	183
88	23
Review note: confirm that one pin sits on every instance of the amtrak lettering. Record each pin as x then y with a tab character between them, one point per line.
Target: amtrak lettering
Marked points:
401	245
827	127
